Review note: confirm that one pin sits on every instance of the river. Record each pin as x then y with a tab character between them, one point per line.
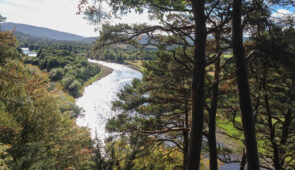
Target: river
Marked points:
98	97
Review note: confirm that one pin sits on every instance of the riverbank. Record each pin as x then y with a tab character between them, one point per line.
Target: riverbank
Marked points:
105	71
134	64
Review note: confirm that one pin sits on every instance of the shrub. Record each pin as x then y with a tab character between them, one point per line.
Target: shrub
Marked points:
56	74
66	81
52	63
42	64
74	88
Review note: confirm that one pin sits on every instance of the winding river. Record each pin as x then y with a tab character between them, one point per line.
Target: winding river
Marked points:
98	97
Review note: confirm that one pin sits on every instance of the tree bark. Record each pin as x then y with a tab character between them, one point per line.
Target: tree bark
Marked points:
213	109
276	160
185	136
243	86
243	161
195	140
286	127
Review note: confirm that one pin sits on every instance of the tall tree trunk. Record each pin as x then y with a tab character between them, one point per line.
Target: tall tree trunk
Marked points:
185	148
272	134
243	161
185	136
213	109
286	127
244	91
276	160
195	140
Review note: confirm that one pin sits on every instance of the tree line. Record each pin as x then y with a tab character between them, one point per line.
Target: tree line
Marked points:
121	53
65	63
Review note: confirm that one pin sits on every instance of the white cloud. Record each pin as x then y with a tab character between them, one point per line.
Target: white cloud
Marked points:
56	14
286	12
283	13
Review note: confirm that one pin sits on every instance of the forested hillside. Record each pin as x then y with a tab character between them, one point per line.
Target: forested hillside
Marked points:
44	33
37	121
66	63
217	89
38	114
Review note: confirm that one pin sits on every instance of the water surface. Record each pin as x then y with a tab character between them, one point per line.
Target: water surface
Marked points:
98	97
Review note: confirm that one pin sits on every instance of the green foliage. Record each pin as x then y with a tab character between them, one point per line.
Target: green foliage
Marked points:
271	73
70	108
74	87
65	63
52	63
120	54
66	81
157	108
56	74
35	132
273	68
133	152
31	60
8	44
4	156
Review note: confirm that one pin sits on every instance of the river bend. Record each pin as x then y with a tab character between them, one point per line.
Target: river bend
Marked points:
98	97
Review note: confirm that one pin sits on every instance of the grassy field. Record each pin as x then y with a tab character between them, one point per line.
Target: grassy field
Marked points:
135	64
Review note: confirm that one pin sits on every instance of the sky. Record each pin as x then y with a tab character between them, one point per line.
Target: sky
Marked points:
61	15
284	12
55	14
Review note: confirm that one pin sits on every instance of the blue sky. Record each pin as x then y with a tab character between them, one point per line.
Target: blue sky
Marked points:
61	15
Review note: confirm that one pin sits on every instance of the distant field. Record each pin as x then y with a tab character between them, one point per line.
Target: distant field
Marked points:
135	64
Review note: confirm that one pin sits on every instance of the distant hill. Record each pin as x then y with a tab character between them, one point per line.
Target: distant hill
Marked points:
43	33
89	40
